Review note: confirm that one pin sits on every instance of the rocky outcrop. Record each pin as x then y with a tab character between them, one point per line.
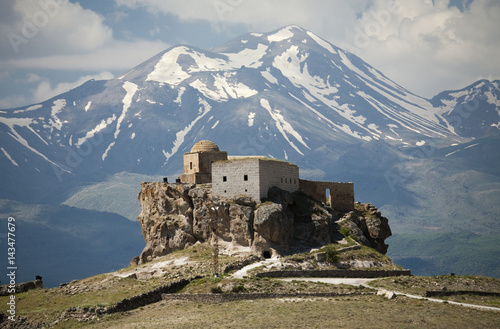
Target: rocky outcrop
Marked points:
174	216
368	226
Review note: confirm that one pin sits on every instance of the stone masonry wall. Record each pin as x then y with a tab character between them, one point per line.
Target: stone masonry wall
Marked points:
253	177
341	194
228	178
279	174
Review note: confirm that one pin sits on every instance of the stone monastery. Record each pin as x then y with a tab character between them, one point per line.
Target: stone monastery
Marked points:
253	176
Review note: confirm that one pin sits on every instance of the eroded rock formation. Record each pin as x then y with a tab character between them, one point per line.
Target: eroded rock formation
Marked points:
174	216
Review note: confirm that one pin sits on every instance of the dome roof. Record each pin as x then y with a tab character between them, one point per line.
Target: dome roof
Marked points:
205	146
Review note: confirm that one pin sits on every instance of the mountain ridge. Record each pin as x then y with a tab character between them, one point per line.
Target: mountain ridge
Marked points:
285	94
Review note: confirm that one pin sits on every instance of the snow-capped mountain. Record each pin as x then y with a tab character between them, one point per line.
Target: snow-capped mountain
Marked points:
291	90
473	111
286	94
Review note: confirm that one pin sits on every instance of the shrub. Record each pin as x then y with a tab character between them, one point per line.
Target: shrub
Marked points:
238	288
216	290
331	254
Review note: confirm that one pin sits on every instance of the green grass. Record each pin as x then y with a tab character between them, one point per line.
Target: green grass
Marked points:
341	312
46	304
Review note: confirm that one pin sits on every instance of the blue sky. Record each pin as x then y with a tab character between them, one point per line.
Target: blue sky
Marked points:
50	46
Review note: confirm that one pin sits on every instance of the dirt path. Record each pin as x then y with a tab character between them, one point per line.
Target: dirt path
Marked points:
365	283
244	271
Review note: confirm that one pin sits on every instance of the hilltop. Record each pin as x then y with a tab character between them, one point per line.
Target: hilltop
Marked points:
134	296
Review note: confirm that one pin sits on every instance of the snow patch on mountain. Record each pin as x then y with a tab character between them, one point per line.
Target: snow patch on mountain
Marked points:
168	70
7	155
131	89
251	58
224	88
268	76
251	117
180	135
55	122
87	107
29	108
281	35
105	154
26	122
178	100
91	133
283	126
322	42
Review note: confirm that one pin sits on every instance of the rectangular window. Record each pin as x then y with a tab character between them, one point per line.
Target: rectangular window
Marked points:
191	165
224	178
245	177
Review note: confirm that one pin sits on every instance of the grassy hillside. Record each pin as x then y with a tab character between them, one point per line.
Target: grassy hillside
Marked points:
445	253
340	309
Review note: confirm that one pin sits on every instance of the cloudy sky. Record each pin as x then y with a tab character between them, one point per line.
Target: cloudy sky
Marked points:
50	46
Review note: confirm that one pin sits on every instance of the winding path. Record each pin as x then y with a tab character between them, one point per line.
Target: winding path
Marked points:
365	283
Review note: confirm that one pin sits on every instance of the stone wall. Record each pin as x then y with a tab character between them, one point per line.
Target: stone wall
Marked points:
280	174
253	177
198	166
235	177
341	196
224	298
21	287
334	274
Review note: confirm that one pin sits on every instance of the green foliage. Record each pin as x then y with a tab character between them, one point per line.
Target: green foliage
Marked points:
345	231
331	254
238	288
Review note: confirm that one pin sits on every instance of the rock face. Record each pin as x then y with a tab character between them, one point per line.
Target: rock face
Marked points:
368	225
174	216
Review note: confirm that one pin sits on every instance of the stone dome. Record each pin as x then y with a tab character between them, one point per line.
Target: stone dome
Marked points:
205	146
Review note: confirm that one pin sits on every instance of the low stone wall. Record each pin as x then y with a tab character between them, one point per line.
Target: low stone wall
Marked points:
21	287
223	298
149	297
367	274
441	293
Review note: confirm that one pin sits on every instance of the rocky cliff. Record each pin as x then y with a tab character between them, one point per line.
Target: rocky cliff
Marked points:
174	216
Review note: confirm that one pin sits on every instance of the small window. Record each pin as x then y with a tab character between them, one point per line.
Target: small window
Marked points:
282	179
245	177
191	165
224	178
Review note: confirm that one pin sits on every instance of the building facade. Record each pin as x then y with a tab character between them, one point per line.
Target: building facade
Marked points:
198	162
253	177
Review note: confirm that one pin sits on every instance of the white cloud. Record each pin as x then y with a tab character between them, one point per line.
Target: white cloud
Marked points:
45	90
51	27
118	55
428	47
425	45
259	15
